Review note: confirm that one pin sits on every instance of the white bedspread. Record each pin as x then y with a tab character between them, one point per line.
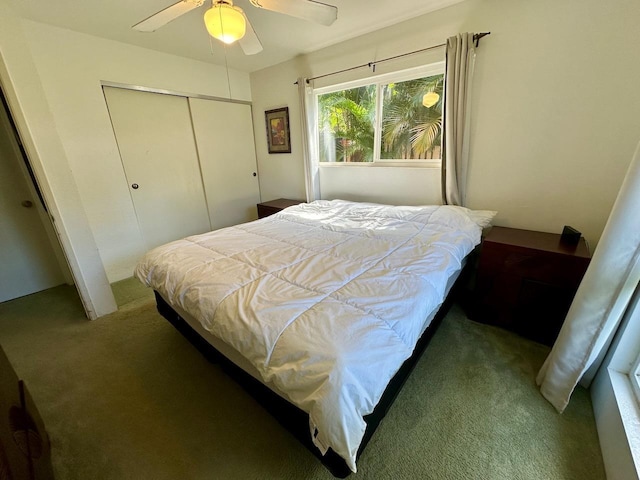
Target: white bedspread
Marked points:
326	299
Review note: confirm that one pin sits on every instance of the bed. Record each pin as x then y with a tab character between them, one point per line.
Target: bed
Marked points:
321	309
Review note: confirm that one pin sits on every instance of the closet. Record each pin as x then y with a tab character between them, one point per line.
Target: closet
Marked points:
190	163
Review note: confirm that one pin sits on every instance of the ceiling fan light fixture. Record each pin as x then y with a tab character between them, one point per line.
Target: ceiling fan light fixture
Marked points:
225	22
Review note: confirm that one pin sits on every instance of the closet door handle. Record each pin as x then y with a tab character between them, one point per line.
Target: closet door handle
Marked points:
135	186
255	174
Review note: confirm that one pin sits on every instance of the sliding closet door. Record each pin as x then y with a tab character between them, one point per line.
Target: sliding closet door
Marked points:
160	160
224	135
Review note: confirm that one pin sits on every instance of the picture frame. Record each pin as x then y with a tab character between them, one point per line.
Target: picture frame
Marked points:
277	122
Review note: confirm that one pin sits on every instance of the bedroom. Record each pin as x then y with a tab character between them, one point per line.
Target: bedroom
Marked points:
551	140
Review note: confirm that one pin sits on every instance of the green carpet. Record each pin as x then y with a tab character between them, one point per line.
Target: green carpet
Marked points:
126	397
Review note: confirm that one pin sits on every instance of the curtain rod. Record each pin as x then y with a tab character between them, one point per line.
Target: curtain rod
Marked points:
476	39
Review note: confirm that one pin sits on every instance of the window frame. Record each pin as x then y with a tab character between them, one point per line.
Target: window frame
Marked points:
634	377
432	69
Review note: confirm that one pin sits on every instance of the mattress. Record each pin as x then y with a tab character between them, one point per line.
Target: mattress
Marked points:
322	302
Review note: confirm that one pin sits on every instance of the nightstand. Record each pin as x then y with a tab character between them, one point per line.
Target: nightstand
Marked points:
526	281
274	206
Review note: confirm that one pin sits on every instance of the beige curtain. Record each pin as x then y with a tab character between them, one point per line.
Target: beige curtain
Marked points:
601	299
460	58
307	124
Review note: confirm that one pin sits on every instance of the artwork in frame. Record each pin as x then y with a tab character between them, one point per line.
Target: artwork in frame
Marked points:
278	139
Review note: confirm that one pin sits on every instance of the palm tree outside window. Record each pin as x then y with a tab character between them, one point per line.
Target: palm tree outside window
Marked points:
385	121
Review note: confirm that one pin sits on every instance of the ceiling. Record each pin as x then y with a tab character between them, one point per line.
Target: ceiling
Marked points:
283	37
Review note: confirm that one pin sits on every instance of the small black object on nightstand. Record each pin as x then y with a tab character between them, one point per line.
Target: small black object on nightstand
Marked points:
570	236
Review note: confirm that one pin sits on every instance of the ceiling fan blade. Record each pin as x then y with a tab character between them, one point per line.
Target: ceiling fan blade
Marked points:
163	17
306	9
250	43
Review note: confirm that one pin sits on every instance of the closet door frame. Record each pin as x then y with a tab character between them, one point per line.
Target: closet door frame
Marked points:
174	93
188	97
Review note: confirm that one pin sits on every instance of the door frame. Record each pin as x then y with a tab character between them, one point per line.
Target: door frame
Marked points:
34	191
81	253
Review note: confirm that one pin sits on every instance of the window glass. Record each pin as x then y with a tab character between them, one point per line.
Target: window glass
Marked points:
412	119
397	118
346	120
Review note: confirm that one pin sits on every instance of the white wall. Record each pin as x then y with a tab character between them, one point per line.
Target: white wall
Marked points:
420	186
72	66
281	174
555	106
31	112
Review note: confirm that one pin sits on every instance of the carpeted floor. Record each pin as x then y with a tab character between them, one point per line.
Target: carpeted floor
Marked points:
126	397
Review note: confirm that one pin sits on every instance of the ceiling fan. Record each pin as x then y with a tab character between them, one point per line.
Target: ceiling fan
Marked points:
229	23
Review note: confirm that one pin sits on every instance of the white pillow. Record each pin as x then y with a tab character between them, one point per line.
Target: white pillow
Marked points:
482	218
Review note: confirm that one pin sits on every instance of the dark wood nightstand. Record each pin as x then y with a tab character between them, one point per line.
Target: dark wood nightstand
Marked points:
274	206
526	281
25	450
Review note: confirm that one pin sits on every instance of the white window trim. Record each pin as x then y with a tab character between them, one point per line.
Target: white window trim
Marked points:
634	376
432	69
625	359
615	391
626	406
427	163
627	387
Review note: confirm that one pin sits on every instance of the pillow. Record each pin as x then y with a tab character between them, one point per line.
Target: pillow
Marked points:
482	218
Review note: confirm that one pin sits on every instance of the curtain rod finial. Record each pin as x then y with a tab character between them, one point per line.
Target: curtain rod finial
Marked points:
478	36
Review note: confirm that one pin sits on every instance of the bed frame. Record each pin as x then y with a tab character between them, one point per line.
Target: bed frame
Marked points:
290	416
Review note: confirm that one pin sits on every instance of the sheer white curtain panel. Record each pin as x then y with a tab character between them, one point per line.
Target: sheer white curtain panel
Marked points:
601	299
308	139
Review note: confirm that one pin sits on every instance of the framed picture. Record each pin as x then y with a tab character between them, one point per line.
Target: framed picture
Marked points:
278	130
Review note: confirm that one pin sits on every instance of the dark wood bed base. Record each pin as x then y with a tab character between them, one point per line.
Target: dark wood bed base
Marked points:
290	416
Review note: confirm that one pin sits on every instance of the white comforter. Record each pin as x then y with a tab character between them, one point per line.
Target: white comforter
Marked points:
325	299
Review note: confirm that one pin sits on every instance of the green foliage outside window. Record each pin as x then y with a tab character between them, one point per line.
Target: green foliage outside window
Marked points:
410	131
346	123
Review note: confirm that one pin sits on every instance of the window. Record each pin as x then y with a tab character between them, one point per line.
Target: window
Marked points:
397	119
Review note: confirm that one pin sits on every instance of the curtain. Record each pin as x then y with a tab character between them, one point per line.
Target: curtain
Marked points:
307	119
460	57
601	299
